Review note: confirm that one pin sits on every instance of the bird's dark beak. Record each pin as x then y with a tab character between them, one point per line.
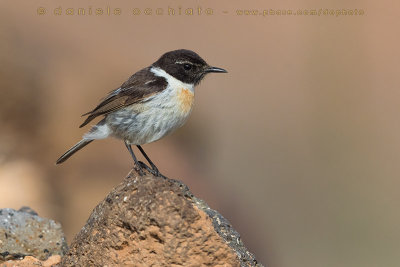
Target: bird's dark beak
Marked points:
215	69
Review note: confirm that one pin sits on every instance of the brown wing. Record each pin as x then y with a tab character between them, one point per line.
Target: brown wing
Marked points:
138	87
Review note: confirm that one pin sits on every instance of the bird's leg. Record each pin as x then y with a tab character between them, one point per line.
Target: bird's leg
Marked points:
139	164
154	169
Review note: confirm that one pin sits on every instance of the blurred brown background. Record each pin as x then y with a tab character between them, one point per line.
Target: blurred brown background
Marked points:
298	145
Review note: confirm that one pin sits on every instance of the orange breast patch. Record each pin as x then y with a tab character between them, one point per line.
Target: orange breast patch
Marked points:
186	99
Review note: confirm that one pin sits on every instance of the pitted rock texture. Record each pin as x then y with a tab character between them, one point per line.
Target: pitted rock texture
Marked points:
24	233
153	221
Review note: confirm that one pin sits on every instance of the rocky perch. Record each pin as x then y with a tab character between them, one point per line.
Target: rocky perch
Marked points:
144	221
153	221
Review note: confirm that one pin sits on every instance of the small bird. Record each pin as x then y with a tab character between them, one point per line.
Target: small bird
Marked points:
151	104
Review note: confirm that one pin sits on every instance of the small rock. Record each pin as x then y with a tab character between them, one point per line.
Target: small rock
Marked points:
28	261
23	233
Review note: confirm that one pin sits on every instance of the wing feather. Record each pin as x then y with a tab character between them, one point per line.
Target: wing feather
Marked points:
138	87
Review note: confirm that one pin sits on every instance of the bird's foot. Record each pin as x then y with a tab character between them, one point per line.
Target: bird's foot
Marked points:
153	170
139	167
143	167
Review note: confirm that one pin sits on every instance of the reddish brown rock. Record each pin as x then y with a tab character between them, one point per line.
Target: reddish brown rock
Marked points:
28	261
153	221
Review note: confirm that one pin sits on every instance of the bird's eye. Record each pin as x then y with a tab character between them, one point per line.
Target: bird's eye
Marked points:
187	66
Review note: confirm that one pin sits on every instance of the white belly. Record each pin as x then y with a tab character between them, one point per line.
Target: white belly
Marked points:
153	119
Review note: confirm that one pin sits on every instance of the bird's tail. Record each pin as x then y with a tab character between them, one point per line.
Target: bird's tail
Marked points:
73	149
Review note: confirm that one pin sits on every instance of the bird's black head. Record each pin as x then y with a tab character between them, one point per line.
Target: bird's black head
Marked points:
185	65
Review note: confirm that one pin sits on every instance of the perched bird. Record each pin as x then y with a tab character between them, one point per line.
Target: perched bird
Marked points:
152	103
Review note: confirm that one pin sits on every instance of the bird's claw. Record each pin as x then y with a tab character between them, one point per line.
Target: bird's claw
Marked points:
152	170
139	167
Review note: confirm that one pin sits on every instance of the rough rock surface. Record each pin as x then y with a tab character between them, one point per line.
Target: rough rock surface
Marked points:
153	221
29	261
24	233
